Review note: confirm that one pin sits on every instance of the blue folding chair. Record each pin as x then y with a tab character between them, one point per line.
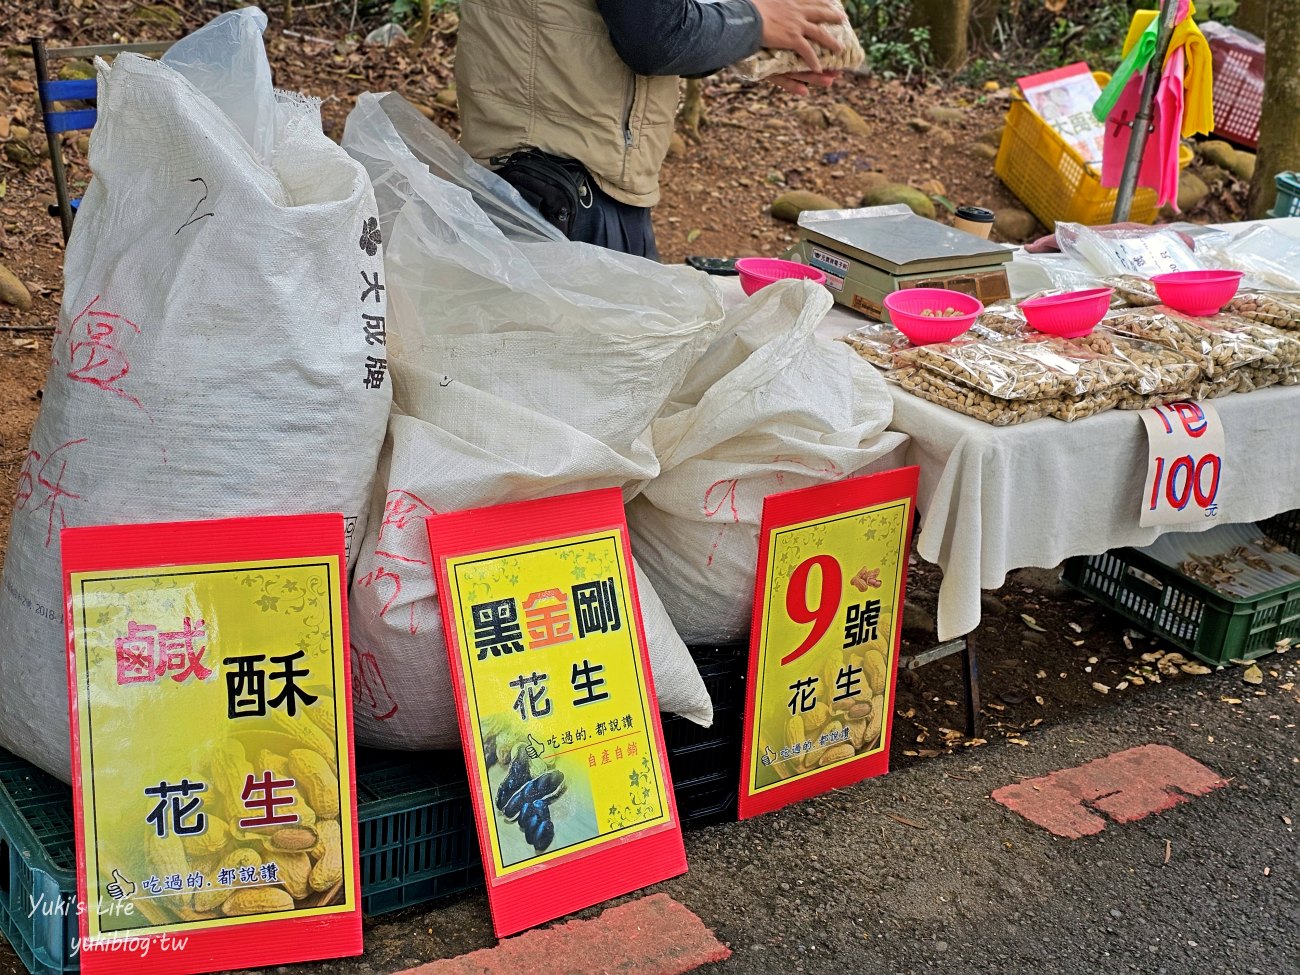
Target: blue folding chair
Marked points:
57	120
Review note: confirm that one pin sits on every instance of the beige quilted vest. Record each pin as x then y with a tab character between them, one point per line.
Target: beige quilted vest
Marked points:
544	73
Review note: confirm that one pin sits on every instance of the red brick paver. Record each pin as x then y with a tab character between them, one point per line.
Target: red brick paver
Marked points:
651	936
1127	786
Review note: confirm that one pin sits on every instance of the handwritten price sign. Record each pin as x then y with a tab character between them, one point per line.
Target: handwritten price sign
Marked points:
1184	465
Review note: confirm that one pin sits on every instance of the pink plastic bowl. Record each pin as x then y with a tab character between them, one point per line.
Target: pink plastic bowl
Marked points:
905	309
1072	315
1197	293
759	272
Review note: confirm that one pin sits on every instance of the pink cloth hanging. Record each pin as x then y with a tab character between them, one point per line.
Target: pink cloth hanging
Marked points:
1169	123
1159	169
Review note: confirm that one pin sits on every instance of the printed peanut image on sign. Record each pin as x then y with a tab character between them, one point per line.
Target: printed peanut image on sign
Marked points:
211	731
552	666
831	701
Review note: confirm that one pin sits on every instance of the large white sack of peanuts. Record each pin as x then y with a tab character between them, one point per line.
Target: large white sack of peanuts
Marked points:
522	369
219	349
770	407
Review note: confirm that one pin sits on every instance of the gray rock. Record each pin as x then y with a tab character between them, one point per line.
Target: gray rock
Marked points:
1191	191
788	206
1043	580
1014	225
1242	165
849	120
12	291
919	203
1217	152
943	115
811	117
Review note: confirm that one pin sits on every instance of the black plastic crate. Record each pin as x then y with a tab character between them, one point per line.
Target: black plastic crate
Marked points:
416	828
705	762
414	821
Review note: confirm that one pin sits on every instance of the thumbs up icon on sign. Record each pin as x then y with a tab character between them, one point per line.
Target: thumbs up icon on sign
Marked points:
120	888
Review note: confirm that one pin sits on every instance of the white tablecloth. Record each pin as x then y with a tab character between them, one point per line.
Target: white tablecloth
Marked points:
993	499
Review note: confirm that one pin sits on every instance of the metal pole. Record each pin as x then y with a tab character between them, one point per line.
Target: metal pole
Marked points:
52	138
1141	123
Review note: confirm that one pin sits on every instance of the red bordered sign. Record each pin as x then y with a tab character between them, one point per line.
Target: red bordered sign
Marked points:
828	607
558	715
212	749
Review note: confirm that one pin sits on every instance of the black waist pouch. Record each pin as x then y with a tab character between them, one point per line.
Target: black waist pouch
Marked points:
557	188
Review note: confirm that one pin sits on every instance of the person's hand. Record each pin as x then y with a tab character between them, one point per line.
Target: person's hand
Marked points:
798	82
796	25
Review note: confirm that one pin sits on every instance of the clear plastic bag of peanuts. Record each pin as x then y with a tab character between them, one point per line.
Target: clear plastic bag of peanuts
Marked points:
1217	345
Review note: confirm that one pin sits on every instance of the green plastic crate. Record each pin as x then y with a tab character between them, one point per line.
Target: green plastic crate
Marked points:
1288	196
414	821
1202	621
38	866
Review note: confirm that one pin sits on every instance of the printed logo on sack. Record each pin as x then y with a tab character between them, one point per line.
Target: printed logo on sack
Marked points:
370	236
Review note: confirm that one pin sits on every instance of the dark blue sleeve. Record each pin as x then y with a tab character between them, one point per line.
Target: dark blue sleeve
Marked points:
682	37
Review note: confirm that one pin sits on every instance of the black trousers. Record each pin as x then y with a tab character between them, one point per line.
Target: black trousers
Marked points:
619	226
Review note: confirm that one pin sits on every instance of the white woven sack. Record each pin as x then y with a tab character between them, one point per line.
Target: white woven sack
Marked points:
521	370
211	357
770	407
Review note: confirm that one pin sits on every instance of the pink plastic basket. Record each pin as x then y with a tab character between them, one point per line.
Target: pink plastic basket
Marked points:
1197	293
759	272
1071	315
905	312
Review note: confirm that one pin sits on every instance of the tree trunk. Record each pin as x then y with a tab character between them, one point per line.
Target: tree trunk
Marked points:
425	27
1252	15
1279	125
984	24
949	24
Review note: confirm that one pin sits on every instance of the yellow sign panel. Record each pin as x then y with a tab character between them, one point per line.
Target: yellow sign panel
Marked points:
212	734
824	678
558	699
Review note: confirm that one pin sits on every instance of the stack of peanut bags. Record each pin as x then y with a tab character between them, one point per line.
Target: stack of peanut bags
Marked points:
1002	371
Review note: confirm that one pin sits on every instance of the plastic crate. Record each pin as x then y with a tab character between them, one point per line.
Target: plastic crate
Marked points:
38	868
1052	179
1193	617
416	828
414	820
1285	528
1288	196
1238	59
705	762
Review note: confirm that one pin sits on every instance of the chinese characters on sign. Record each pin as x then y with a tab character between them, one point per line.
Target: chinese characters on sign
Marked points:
234	673
555	673
559	724
832	569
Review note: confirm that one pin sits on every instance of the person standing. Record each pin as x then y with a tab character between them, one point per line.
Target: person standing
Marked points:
573	102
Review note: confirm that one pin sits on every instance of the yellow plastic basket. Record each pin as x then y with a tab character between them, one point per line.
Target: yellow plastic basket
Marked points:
1052	179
